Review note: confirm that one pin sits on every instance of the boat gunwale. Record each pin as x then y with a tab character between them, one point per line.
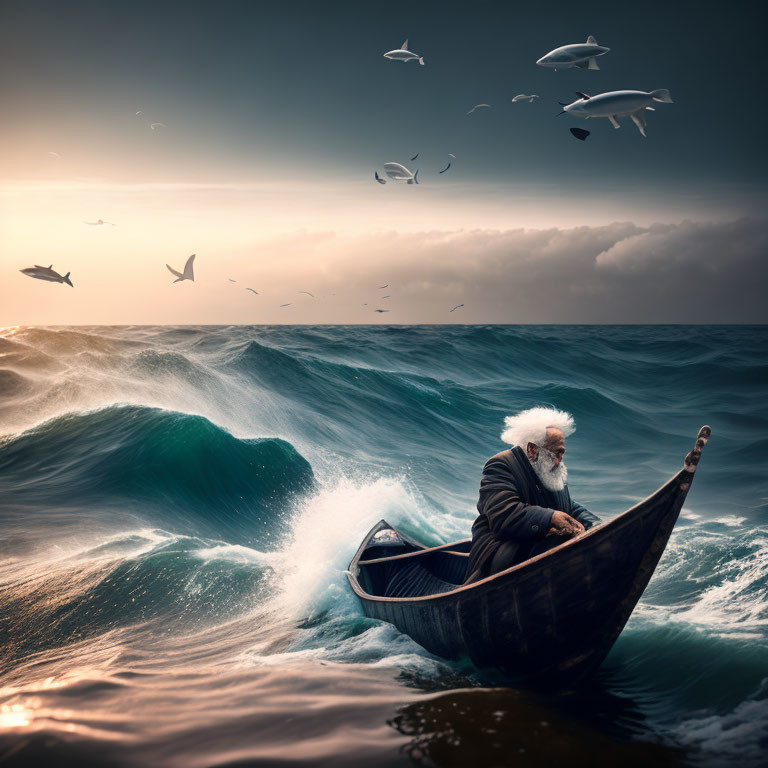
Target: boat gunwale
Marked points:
619	521
684	478
420	552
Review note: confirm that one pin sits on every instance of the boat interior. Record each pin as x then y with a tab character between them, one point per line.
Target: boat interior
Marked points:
392	565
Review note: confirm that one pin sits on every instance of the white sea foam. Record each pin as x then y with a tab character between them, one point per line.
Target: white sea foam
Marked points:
237	553
731	598
730	520
737	738
325	534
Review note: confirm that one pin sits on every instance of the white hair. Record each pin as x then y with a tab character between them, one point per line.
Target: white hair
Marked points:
531	426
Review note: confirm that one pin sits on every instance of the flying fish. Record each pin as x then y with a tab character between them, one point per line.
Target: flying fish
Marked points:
47	273
582	55
403	54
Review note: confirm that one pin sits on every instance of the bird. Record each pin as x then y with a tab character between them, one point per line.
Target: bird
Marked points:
386	297
140	113
524	97
153	126
477	106
47	273
384	286
415	156
446	168
98	223
378	178
287	305
381	310
252	291
231	280
55	154
451	155
308	293
457	307
188	273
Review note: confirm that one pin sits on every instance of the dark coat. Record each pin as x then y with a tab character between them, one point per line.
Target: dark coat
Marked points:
514	517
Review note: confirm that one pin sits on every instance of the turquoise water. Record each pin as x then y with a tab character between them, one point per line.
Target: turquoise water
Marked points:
179	505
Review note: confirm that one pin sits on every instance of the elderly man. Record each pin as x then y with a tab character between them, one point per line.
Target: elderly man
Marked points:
525	507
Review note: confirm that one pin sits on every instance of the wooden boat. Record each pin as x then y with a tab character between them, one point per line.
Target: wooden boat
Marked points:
556	615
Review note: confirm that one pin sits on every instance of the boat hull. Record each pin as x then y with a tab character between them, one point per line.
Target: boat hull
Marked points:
556	615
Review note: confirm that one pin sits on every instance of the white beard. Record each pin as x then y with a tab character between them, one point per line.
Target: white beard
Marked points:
552	477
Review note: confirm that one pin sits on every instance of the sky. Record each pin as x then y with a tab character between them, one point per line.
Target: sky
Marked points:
277	115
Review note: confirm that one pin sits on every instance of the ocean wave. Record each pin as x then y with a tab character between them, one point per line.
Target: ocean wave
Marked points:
169	462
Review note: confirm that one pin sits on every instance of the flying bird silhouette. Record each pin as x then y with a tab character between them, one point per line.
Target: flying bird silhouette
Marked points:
524	97
381	310
446	168
252	291
580	133
188	273
55	154
384	286
415	156
287	305
477	106
308	293
386	297
153	126
456	307
378	178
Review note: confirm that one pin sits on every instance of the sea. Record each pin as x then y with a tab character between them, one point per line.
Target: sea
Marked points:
179	505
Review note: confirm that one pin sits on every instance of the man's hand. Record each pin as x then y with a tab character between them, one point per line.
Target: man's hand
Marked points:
564	525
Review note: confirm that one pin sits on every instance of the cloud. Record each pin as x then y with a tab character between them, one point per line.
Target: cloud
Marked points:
688	272
699	272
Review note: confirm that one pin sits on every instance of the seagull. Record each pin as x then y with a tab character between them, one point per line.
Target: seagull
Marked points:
308	293
46	273
55	154
252	291
384	286
231	280
140	113
446	168
381	310
477	106
188	274
378	178
524	97
153	126
457	307
387	297
98	223
415	156
451	155
287	305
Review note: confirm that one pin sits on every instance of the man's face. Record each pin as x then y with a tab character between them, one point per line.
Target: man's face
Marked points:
547	460
555	444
